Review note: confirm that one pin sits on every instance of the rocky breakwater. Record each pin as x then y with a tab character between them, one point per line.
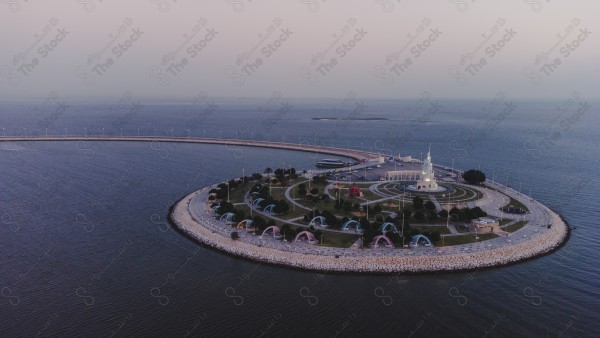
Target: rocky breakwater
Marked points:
215	234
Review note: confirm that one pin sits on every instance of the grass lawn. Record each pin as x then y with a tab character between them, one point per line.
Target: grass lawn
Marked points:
516	204
337	239
441	229
512	202
462	194
464	239
515	227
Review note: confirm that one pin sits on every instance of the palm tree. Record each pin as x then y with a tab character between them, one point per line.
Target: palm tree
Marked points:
268	171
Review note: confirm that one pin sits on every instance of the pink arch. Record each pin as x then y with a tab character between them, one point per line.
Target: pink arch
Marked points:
309	236
275	229
377	238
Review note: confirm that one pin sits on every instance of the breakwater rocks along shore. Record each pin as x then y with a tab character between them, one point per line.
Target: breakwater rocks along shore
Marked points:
192	216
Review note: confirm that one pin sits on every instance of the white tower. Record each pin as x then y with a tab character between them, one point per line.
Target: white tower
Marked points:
427	181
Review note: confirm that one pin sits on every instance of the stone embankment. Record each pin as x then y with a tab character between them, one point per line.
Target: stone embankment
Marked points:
213	233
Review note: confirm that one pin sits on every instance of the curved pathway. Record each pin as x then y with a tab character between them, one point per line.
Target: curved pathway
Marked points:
354	154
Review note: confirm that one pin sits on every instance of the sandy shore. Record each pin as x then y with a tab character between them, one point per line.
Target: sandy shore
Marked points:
215	234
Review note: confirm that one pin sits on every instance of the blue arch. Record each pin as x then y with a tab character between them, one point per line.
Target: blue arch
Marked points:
227	217
415	240
269	208
257	201
321	219
385	227
348	225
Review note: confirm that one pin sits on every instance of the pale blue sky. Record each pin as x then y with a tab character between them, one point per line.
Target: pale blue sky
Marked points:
222	32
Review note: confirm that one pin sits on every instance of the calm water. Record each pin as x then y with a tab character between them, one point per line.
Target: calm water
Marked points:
85	250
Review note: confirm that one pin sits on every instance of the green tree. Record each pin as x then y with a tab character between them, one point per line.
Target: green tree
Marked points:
473	176
377	208
429	205
417	202
420	215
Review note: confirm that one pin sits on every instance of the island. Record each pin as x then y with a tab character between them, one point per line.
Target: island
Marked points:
375	215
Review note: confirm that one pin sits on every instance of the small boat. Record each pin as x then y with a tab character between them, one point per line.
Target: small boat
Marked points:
330	163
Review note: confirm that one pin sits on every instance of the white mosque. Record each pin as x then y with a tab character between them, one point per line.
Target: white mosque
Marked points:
427	181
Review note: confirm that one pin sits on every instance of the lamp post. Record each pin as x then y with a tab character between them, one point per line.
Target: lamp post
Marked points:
402	230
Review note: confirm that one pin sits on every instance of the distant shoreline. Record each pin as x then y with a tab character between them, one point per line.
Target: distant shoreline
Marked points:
350	119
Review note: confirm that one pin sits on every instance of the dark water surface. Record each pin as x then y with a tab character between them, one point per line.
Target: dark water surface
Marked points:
85	249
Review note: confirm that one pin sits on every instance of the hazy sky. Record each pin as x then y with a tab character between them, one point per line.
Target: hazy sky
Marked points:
377	48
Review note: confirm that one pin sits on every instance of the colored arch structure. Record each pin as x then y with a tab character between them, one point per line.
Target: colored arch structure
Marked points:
321	222
309	236
228	217
269	208
247	223
257	201
385	227
415	240
274	229
382	237
351	224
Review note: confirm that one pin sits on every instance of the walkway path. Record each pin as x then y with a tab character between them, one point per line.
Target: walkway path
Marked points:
287	195
351	153
432	198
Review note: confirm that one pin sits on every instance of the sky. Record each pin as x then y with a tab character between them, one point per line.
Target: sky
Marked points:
167	49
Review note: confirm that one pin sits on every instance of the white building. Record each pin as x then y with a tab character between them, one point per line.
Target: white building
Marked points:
427	182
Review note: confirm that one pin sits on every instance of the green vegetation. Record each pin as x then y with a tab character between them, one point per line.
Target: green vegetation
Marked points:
338	239
515	227
515	204
417	210
473	176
